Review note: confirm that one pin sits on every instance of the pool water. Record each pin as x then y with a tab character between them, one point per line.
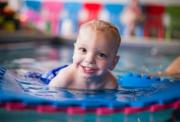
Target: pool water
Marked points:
46	57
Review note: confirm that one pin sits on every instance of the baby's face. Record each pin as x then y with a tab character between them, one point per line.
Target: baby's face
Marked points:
94	54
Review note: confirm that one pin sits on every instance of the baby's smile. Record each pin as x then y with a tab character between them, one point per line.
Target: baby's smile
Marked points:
89	70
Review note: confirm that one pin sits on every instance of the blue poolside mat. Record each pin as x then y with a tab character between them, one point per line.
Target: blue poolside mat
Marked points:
135	91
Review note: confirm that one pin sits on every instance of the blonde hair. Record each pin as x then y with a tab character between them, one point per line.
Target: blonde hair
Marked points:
103	26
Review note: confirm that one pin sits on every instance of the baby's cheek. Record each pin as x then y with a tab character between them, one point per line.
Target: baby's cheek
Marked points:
109	65
76	59
105	65
75	56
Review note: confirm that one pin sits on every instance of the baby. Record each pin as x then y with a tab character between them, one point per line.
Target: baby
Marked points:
95	55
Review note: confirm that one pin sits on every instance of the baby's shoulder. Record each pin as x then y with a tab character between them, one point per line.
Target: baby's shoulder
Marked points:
63	78
65	72
111	82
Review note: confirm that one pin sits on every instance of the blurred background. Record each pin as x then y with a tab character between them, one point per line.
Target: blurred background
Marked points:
39	34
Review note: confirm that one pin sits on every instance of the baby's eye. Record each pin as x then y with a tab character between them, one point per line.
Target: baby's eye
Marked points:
102	55
82	50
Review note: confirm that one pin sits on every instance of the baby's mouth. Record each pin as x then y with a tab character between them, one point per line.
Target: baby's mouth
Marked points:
89	70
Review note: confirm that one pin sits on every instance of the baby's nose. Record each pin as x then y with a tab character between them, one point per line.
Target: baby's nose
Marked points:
90	58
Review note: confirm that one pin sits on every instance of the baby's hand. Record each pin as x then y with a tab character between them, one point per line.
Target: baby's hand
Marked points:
174	67
173	70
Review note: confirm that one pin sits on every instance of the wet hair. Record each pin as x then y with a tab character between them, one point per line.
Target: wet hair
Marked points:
103	26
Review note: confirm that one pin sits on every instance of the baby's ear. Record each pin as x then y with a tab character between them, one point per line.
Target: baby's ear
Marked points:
115	61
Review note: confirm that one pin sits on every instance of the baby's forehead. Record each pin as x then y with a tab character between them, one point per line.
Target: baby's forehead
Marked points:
91	34
97	36
99	40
